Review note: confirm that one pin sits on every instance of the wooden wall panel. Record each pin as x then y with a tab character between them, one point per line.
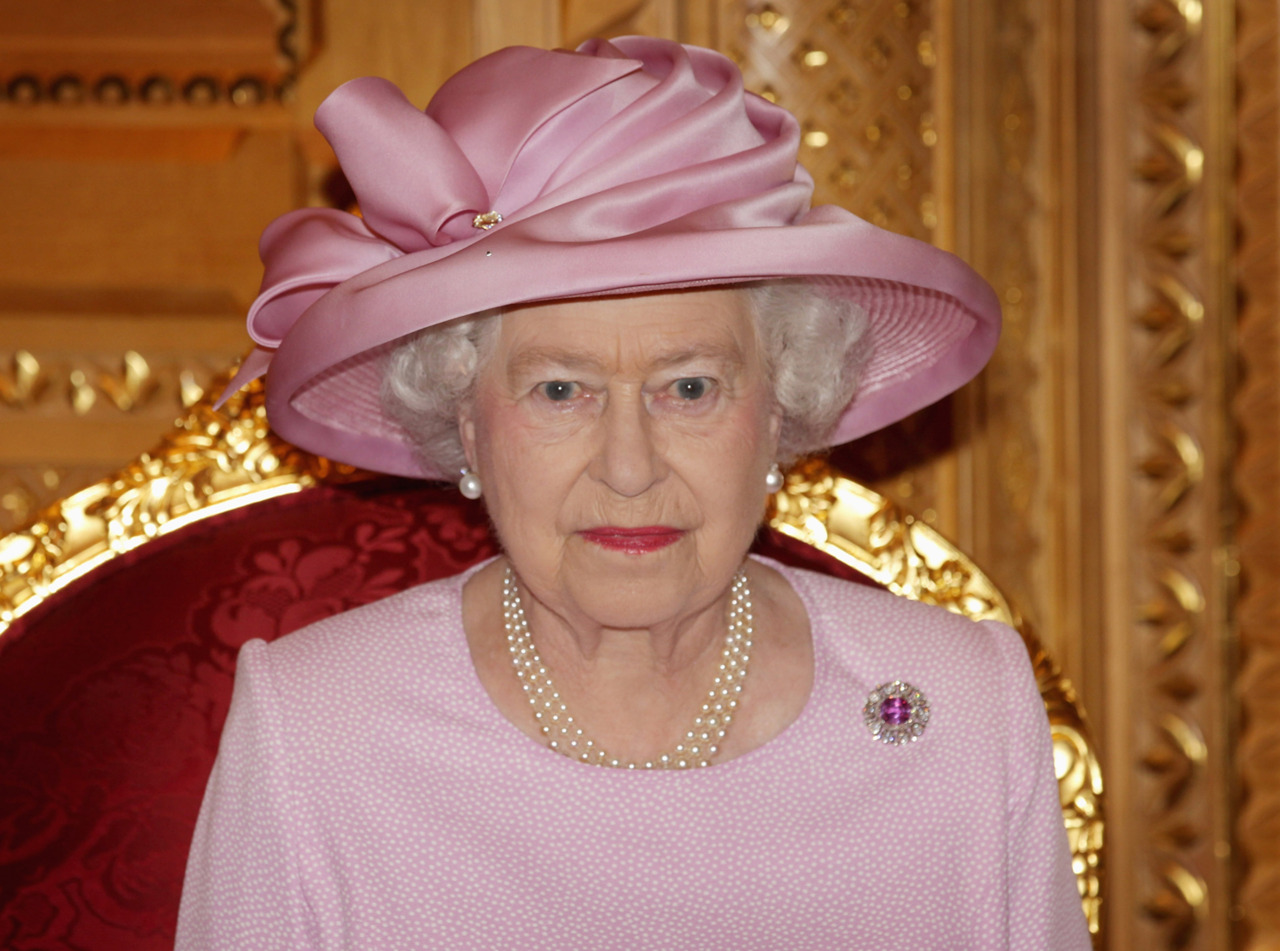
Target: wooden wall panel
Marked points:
416	43
144	211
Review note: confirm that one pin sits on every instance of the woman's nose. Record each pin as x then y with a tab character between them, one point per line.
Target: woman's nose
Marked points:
627	460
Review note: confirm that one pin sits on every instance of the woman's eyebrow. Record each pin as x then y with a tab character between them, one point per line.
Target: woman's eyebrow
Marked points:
539	358
728	356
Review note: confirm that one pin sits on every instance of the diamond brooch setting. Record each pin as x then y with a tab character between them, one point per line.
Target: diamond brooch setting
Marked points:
896	713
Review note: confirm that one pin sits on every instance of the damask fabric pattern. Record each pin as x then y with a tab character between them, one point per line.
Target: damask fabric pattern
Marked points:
114	692
369	795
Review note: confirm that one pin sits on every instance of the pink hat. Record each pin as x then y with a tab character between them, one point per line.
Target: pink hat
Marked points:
629	165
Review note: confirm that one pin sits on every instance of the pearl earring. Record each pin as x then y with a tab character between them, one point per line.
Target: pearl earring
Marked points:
774	480
469	485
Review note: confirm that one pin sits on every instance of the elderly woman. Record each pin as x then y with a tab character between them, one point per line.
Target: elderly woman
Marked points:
588	286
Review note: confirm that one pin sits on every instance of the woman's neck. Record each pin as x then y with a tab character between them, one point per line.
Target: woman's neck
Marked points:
577	648
636	691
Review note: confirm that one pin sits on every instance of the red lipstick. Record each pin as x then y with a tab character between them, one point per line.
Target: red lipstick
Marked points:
635	541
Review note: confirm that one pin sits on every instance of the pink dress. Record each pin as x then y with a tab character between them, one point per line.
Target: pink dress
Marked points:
368	796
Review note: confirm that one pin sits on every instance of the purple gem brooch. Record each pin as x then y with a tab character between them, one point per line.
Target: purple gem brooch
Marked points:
896	713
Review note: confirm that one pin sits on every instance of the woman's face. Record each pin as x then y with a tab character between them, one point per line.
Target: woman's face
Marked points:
623	445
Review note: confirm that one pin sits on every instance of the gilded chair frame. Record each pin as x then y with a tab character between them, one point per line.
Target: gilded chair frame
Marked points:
215	461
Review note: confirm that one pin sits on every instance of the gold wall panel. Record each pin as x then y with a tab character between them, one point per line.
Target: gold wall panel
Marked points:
859	76
1011	65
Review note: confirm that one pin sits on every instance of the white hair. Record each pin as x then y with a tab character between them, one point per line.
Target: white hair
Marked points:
813	341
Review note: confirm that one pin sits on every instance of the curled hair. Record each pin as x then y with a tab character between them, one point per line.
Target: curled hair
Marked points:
812	339
429	374
814	342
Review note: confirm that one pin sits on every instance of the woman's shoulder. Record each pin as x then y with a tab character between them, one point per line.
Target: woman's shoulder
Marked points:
873	626
835	599
976	675
407	626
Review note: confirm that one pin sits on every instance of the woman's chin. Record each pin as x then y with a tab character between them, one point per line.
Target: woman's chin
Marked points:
623	588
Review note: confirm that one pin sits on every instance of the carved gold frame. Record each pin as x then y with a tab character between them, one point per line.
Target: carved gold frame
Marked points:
214	461
211	462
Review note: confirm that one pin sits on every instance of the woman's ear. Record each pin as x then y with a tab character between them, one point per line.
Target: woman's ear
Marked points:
467	434
775	428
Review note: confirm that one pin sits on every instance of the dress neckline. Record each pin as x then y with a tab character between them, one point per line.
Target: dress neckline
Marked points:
793	733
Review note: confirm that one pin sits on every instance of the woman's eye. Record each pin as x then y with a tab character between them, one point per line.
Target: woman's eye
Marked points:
691	388
559	390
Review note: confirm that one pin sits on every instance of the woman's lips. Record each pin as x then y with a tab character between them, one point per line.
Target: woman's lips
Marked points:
634	540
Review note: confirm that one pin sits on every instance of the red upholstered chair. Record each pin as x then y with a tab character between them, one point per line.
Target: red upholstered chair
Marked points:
122	608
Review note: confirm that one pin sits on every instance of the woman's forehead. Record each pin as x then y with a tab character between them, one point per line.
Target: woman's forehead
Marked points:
659	329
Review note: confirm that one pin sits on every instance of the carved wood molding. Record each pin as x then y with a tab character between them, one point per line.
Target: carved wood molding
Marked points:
1179	313
242	52
1257	468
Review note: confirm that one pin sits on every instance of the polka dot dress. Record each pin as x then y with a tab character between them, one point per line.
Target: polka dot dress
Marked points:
368	795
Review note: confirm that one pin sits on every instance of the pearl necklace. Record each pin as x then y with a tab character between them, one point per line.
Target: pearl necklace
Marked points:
556	723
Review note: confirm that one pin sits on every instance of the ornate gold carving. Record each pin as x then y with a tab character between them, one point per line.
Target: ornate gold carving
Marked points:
876	537
134	386
1181	590
213	462
127	383
24	490
25	382
1257	474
